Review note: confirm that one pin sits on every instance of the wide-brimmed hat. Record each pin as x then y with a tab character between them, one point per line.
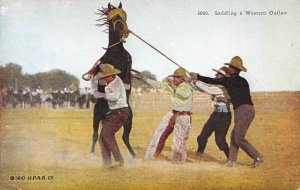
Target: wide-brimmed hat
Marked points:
223	71
108	70
237	62
180	72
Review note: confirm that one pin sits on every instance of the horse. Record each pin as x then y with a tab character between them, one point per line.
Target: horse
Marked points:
115	19
24	97
46	98
73	97
35	98
82	97
57	99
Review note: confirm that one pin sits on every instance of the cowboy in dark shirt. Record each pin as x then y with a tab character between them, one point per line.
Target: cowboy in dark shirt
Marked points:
238	90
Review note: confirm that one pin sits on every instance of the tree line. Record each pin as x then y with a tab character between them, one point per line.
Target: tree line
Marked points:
11	76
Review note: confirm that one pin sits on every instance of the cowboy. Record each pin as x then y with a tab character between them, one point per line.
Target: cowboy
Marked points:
179	119
219	121
116	98
238	90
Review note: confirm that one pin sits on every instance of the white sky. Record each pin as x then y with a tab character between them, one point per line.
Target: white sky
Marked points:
41	35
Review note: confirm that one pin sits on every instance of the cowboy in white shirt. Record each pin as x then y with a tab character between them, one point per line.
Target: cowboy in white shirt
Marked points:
116	97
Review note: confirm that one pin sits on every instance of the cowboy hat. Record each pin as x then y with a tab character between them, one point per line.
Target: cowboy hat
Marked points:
180	72
108	70
237	62
223	71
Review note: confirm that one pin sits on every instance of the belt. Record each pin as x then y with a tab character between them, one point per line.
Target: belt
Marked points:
118	110
222	109
181	112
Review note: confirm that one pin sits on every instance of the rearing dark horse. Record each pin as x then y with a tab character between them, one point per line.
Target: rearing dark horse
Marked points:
116	54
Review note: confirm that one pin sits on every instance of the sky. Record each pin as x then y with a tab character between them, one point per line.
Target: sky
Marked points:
42	35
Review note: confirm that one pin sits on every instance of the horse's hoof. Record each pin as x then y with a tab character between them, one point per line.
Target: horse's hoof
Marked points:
133	156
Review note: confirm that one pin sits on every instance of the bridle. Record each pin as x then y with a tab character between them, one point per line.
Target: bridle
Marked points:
121	13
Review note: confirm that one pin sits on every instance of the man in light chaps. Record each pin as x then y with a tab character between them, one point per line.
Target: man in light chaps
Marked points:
177	120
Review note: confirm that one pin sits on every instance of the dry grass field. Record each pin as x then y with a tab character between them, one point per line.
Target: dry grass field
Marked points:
49	149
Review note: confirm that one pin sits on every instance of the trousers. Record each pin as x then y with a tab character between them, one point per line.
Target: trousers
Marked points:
243	116
107	140
219	123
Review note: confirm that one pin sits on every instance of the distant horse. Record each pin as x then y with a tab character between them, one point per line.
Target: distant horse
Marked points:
82	100
73	97
116	54
24	97
35	99
57	99
45	98
66	96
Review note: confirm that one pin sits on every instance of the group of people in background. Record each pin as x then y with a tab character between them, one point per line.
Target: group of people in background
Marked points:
37	98
228	87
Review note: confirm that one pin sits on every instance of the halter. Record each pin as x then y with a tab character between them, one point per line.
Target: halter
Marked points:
112	14
115	12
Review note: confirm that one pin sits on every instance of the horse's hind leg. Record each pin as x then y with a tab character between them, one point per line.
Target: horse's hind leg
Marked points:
127	129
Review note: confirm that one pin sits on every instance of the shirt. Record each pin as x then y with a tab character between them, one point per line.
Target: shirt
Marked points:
219	96
115	94
182	99
237	87
98	85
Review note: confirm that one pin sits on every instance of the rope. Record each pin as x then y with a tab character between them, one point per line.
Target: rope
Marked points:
156	50
187	72
121	40
125	33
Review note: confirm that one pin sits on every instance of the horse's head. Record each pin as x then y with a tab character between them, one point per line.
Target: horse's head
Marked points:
115	18
117	22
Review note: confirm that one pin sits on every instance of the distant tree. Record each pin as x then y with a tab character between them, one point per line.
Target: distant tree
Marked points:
139	83
148	75
28	81
12	75
58	79
53	80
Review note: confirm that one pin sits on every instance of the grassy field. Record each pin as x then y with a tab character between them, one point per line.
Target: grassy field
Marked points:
56	144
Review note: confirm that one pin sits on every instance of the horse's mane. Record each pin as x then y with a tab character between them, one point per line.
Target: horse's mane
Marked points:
104	17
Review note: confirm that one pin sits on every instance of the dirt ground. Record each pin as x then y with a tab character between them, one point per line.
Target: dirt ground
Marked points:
49	149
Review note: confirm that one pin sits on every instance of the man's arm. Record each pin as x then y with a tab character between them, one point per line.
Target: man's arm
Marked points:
211	80
209	89
112	94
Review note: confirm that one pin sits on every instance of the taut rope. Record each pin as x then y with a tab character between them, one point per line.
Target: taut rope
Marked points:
129	31
156	49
